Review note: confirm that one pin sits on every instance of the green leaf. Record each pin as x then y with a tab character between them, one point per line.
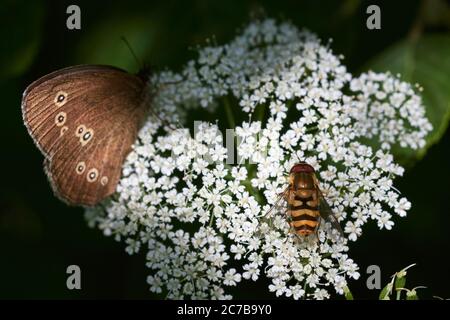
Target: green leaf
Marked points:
400	280
385	292
347	293
424	61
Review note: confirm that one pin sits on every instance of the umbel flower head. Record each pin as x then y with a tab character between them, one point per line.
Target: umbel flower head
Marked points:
200	210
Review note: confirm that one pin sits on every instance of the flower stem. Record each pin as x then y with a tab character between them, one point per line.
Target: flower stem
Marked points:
252	190
229	113
211	220
261	113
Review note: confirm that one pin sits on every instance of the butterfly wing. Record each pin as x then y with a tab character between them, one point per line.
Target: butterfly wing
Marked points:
84	119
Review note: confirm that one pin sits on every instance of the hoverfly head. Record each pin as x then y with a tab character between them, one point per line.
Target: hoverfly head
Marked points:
302	167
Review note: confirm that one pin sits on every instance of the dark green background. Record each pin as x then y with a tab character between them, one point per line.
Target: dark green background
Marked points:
40	236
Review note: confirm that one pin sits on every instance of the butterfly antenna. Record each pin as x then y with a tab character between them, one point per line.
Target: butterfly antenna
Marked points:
139	62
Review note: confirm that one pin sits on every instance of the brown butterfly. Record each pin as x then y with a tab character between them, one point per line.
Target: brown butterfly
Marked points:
84	120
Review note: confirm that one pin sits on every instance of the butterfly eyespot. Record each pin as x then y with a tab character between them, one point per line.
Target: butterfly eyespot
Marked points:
86	137
92	175
104	180
80	130
63	130
81	166
60	98
60	119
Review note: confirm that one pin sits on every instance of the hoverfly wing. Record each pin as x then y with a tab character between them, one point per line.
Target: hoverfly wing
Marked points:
327	214
278	206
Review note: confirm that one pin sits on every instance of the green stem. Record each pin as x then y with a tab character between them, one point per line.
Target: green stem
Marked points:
304	289
261	113
312	129
399	292
229	113
252	190
211	219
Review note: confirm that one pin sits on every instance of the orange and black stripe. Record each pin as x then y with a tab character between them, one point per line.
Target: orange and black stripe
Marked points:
304	212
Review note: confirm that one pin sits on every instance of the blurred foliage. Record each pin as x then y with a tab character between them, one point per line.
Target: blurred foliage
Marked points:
136	29
40	236
21	32
424	61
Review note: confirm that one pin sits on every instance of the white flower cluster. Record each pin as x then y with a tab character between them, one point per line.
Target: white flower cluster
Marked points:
204	221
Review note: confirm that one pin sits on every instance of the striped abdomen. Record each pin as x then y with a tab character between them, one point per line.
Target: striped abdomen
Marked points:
304	212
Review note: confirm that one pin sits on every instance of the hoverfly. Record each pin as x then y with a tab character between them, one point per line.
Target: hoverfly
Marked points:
306	205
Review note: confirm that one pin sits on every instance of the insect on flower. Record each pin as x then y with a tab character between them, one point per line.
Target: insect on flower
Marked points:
306	204
210	226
